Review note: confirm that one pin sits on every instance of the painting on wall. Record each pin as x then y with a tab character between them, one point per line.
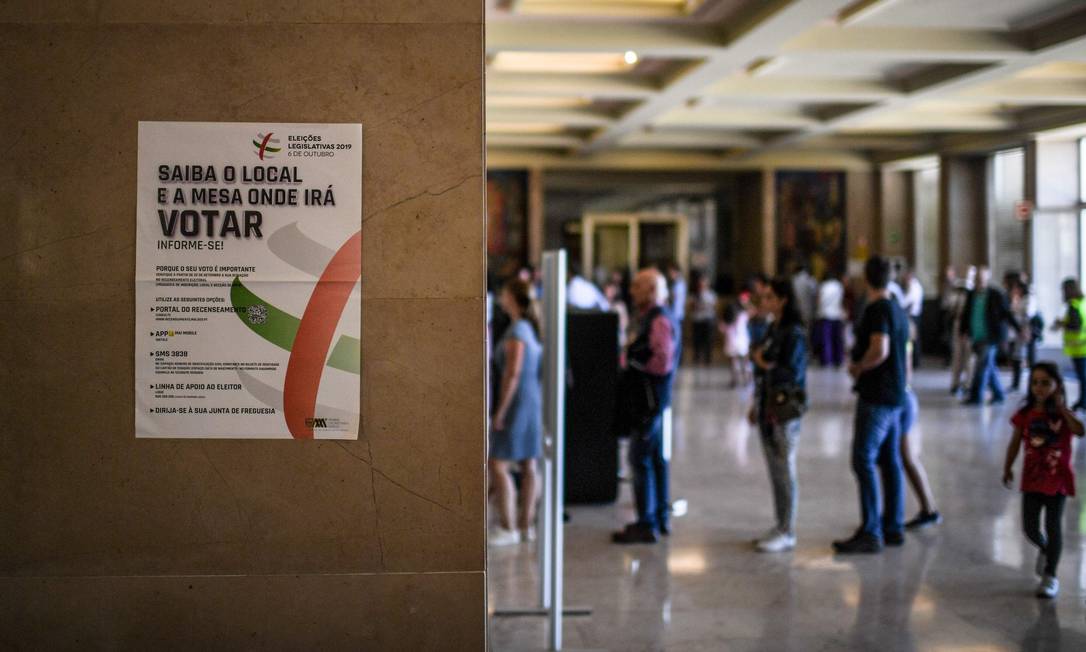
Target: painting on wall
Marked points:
507	222
811	222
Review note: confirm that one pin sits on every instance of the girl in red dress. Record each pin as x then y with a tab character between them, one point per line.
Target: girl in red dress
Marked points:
1043	427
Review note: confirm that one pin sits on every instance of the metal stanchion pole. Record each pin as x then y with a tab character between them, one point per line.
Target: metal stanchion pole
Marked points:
555	365
553	472
545	544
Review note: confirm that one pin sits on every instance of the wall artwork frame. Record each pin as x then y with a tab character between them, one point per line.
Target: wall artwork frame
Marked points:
811	221
507	221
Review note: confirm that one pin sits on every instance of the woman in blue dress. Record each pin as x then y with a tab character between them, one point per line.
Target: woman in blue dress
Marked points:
516	428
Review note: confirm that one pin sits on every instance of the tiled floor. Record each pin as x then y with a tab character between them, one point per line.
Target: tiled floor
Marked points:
963	586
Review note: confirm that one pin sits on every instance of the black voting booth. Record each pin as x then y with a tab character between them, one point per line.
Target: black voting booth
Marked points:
591	458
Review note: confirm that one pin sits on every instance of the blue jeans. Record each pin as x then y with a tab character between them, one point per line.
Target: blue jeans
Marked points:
876	441
650	474
779	443
986	373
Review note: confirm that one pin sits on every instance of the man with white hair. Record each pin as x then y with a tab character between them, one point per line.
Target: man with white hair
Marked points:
651	364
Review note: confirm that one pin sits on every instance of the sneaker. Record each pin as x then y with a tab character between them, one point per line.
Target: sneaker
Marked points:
502	537
996	401
923	520
860	543
771	533
1042	561
779	543
528	535
893	539
634	533
665	529
1049	587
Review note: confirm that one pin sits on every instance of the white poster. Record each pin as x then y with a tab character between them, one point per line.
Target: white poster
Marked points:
248	266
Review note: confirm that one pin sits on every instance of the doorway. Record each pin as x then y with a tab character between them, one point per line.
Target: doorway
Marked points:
629	241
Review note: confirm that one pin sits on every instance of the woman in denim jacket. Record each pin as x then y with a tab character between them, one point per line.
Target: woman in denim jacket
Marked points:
780	362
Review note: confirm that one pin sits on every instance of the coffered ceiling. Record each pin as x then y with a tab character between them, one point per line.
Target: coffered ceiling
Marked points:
704	83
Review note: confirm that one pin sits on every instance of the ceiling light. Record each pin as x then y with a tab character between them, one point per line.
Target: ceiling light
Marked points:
630	57
536	102
606	8
561	62
499	127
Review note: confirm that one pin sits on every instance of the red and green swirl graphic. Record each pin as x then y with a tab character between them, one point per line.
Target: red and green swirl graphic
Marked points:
308	339
263	144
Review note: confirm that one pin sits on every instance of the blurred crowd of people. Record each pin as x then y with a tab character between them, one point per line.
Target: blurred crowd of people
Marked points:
767	331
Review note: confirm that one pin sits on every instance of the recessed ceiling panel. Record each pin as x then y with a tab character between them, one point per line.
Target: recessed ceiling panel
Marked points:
1000	15
593	77
1055	70
833	67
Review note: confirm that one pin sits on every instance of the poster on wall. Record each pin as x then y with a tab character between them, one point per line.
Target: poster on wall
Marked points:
248	280
811	222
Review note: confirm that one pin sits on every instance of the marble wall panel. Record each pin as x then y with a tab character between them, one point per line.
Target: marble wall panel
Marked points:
87	500
242	11
256	612
861	211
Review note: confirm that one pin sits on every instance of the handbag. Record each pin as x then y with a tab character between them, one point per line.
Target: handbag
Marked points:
638	402
785	403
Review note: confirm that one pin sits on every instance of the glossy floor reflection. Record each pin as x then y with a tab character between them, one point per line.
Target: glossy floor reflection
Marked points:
963	586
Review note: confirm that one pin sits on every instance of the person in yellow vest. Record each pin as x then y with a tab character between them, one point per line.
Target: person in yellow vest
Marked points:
1073	326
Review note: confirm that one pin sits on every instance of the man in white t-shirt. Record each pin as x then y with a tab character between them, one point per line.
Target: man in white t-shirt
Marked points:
806	288
830	323
912	301
582	293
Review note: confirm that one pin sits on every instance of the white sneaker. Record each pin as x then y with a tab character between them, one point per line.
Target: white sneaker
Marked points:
1039	568
771	533
1049	587
528	535
502	537
779	543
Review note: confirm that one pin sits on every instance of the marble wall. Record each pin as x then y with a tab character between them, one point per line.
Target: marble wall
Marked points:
896	223
963	211
861	212
110	542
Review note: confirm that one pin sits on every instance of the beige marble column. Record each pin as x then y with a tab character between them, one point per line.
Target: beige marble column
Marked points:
115	543
536	215
962	211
